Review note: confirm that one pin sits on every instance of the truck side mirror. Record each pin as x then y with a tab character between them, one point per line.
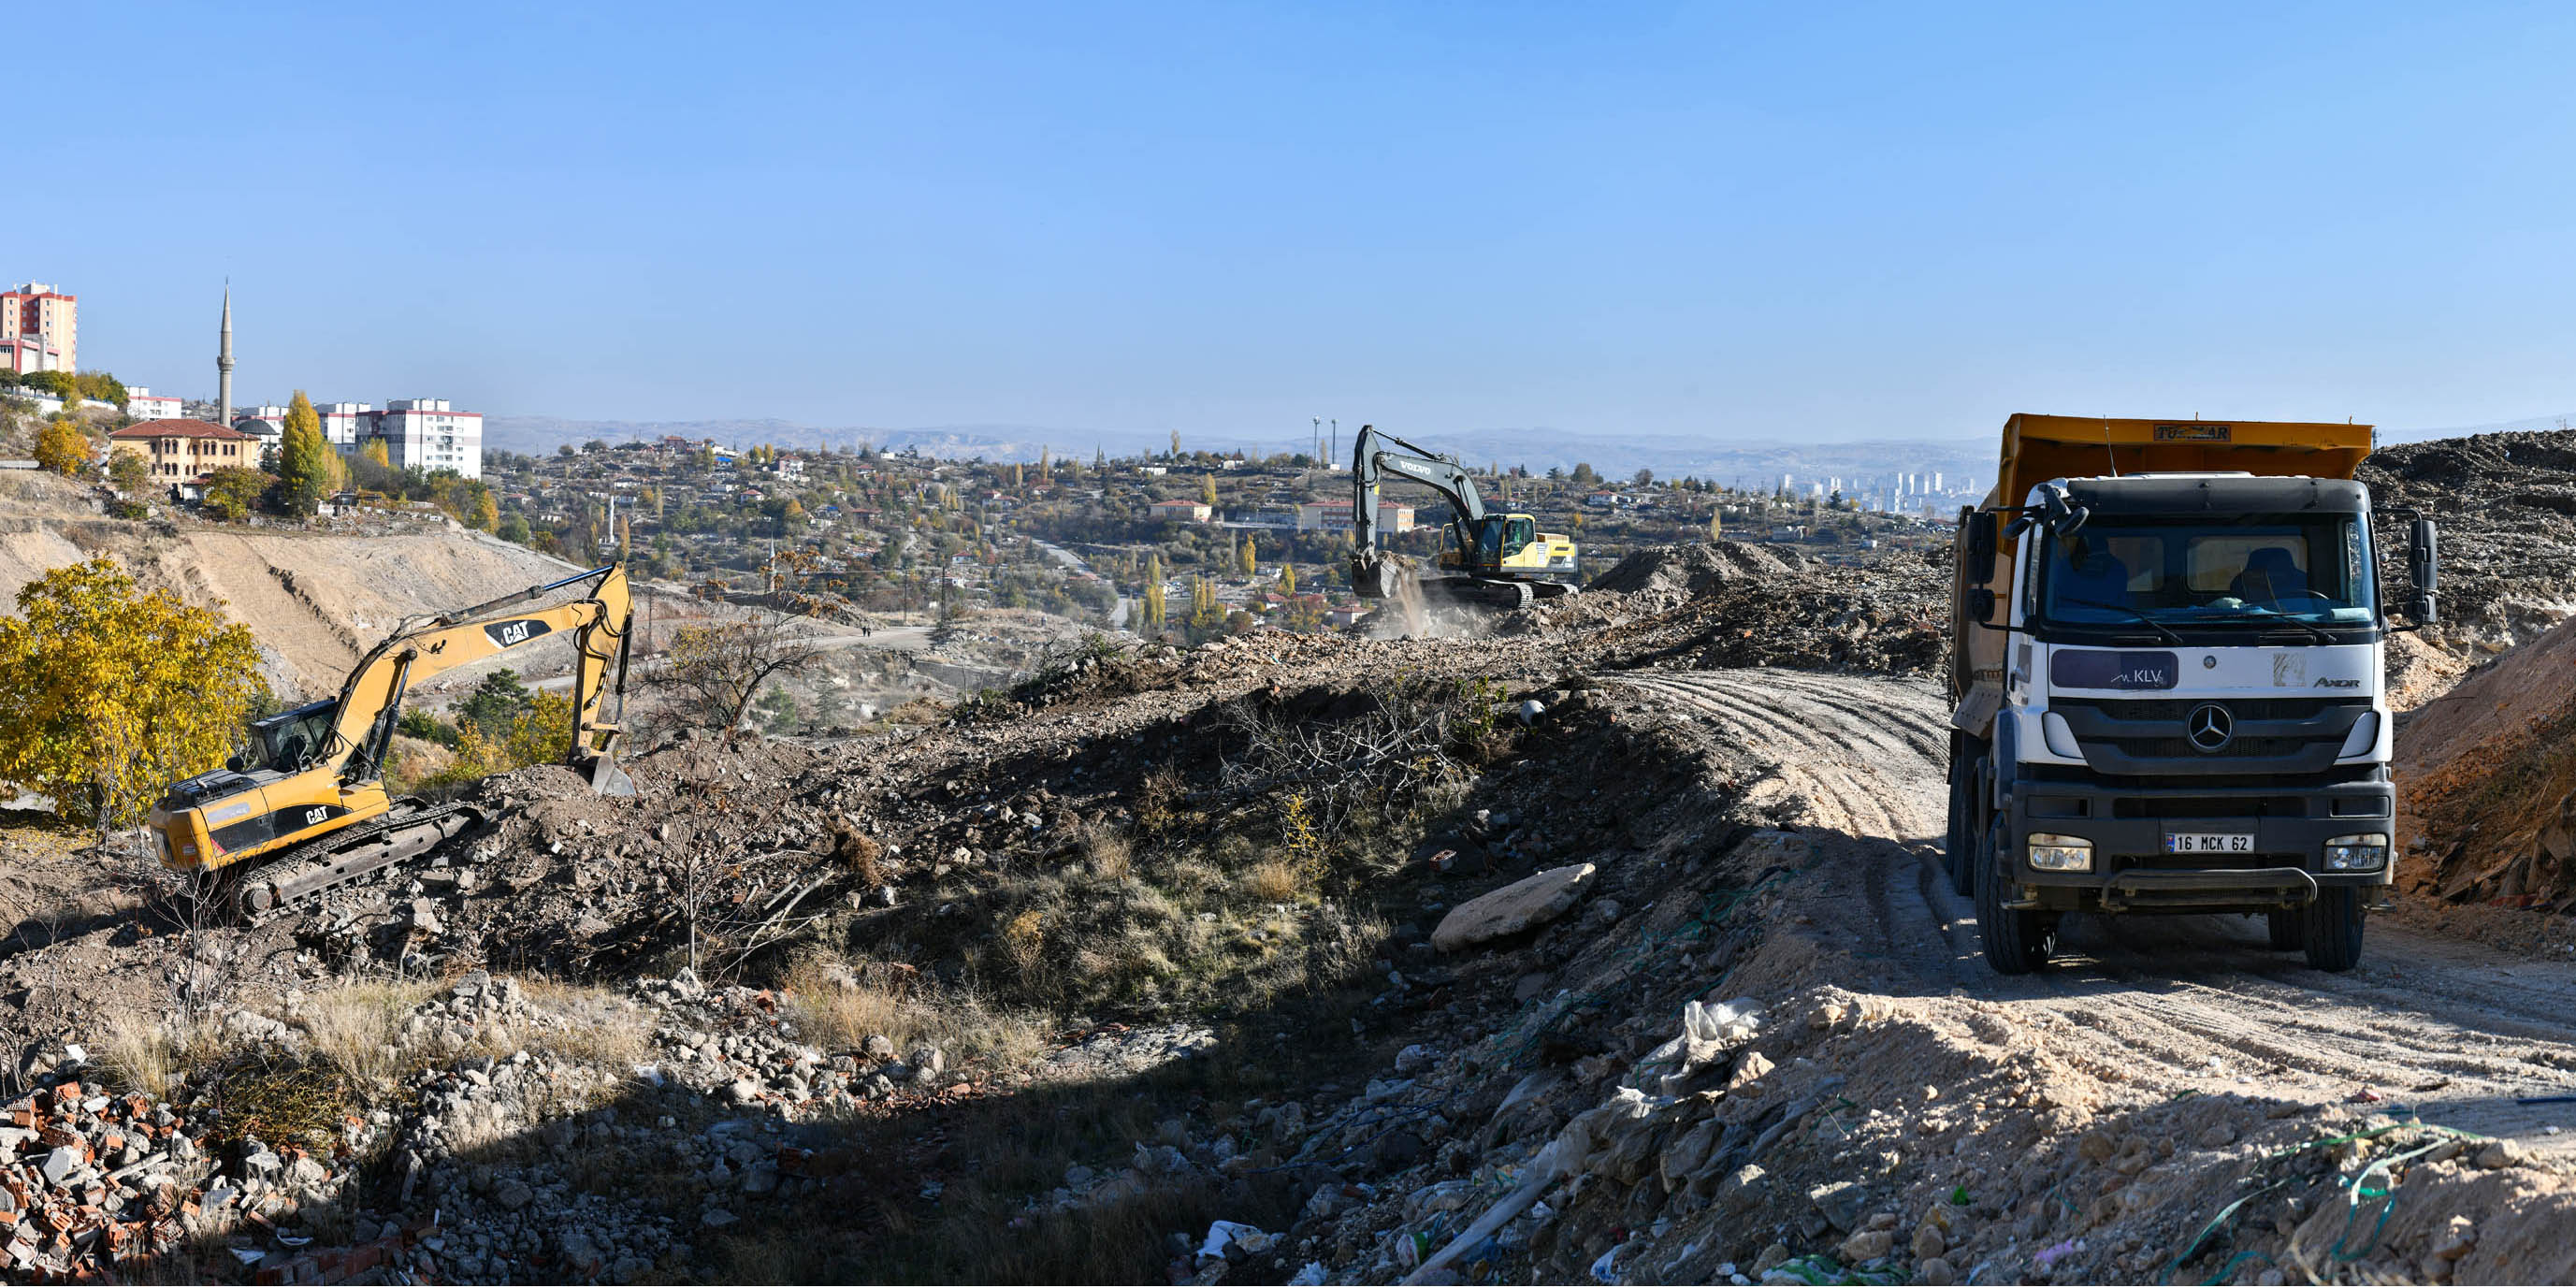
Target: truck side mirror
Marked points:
1978	530
2424	567
2423	557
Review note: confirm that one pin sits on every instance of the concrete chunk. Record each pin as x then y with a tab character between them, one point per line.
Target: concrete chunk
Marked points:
1531	901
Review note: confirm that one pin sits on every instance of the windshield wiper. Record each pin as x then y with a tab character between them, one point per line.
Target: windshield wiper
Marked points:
2151	624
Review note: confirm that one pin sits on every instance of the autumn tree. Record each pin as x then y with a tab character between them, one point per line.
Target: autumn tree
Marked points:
233	490
62	447
1153	592
129	471
306	465
1250	562
1207	490
1287	579
108	695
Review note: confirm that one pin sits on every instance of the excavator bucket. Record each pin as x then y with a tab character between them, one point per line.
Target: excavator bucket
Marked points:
1376	574
606	779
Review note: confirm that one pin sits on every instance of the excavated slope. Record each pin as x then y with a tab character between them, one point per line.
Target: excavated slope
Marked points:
315	600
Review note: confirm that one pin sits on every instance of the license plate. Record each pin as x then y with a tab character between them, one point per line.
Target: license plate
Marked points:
2209	843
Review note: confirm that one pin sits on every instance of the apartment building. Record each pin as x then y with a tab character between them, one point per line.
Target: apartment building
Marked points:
432	434
143	404
39	328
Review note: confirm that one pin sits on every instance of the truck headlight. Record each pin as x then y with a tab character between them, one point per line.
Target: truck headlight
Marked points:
2050	852
2364	737
2362	852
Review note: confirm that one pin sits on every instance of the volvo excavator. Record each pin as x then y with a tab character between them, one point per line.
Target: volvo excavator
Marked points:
303	806
1488	560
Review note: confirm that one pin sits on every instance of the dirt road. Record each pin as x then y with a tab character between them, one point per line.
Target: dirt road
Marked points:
2168	1005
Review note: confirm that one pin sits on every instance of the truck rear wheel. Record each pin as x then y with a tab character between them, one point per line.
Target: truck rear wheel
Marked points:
2017	942
2331	928
2285	926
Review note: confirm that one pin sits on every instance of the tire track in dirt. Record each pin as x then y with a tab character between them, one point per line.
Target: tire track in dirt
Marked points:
2192	1003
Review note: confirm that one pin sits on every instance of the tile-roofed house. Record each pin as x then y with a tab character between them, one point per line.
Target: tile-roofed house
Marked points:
185	451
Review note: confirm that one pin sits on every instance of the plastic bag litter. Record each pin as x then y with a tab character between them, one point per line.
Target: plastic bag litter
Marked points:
1222	1234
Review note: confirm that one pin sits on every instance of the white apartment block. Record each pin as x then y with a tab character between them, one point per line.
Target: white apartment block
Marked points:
143	404
344	423
430	433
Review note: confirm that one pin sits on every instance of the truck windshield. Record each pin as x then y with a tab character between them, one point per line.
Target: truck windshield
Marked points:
2189	571
287	741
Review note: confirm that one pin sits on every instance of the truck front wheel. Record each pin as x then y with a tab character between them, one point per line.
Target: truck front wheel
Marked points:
2331	928
2285	927
2017	941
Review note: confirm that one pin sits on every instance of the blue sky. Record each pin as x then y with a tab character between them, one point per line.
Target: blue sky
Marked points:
1803	221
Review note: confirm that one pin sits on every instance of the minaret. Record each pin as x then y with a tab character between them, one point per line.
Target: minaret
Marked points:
224	365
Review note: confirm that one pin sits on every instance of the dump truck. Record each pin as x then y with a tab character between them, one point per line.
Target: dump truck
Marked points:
2166	659
303	807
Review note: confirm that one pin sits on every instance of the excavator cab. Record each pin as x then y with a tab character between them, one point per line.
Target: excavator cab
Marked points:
287	742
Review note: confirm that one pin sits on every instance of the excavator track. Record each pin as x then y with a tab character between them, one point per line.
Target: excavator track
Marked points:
349	854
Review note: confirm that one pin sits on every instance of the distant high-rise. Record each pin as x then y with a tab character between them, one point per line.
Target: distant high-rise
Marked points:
39	329
224	364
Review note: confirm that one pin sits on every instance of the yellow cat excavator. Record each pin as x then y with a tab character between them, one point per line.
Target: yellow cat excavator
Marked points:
303	806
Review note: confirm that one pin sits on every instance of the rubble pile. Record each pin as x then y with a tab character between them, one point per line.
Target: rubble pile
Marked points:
2488	775
1727	604
2506	507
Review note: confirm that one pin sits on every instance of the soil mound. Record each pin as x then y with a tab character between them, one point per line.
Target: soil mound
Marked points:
1698	569
2506	504
2488	773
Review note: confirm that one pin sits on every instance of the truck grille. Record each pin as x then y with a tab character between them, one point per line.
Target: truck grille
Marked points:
2176	748
2209	807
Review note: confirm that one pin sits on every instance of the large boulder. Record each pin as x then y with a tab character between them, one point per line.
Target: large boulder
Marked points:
1531	901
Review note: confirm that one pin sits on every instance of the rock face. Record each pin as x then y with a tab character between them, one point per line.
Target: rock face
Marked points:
1531	901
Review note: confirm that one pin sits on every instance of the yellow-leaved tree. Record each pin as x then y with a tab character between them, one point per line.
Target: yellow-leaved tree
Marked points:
537	734
108	694
305	462
62	447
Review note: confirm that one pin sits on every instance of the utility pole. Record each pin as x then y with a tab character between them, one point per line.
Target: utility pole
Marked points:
1315	441
1335	452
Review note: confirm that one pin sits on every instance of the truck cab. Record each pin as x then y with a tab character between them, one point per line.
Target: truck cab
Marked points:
2171	701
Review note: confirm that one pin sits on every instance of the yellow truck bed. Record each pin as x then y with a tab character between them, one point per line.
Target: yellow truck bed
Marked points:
2039	448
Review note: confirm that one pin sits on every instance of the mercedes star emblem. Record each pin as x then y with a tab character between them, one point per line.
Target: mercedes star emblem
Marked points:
2210	727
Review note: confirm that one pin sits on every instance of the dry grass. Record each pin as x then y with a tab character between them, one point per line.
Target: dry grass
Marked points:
358	1028
145	1053
586	1023
1111	857
839	1004
1272	881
